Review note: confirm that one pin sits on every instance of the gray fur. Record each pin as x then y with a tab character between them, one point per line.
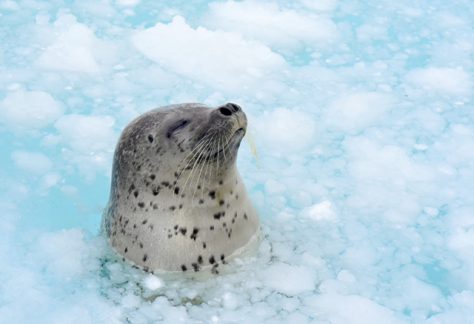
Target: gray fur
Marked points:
177	202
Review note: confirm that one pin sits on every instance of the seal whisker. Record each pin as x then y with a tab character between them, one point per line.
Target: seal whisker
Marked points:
196	161
199	176
196	148
224	147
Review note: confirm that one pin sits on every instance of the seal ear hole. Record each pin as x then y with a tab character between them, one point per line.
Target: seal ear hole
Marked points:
177	126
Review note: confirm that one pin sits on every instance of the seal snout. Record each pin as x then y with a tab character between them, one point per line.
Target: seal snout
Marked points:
229	109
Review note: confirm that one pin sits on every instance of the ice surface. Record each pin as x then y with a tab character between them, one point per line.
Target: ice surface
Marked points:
362	116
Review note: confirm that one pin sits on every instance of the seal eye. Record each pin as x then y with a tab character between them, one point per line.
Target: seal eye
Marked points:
177	126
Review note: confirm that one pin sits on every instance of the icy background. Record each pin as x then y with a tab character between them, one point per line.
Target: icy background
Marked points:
362	115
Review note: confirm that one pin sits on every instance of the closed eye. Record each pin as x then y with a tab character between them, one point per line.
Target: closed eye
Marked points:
177	126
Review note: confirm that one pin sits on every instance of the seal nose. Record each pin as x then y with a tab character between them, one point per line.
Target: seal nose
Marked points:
229	109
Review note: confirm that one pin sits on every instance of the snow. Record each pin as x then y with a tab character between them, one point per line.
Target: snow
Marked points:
72	49
289	280
321	211
220	59
273	26
450	81
26	110
32	161
359	156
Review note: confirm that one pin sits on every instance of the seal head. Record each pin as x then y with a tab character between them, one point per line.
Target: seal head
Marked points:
177	202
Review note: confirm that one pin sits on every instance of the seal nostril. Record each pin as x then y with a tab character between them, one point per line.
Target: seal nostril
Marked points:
233	107
225	111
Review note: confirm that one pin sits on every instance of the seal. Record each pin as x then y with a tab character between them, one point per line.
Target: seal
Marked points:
177	201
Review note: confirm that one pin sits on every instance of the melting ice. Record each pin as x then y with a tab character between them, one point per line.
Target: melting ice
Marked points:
362	116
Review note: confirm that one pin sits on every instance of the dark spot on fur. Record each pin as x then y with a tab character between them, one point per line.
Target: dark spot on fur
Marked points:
220	182
245	216
201	201
212	194
176	190
194	233
135	193
175	227
221	202
200	259
183	230
141	204
141	245
195	267
165	183
183	267
150	138
125	250
222	257
144	257
152	176
212	260
211	227
172	208
180	206
204	245
156	191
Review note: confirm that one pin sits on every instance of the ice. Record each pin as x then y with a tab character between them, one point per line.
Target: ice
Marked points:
224	60
289	280
321	211
349	309
32	161
152	282
72	48
266	22
359	156
355	112
449	81
285	130
27	110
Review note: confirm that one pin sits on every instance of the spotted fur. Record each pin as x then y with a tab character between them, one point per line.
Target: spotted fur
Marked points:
175	179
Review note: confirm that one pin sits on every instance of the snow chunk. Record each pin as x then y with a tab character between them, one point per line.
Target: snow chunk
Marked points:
350	309
73	48
152	282
289	280
91	141
285	130
128	3
269	24
320	5
33	162
87	133
63	253
356	111
29	109
444	80
218	58
321	211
